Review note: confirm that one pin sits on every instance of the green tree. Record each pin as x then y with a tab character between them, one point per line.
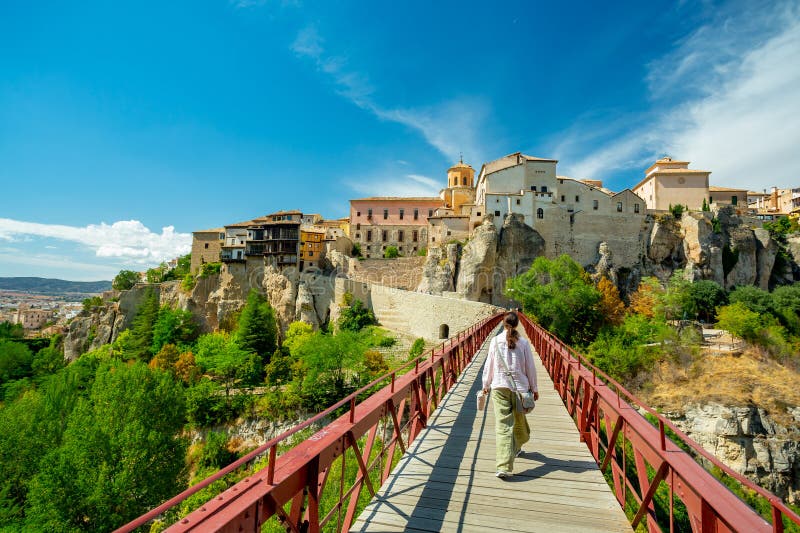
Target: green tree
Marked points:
356	317
675	303
296	333
15	361
221	356
157	274
257	331
741	321
787	297
50	359
141	340
215	453
391	252
11	331
125	280
705	206
173	326
333	366
120	454
417	348
706	295
757	300
561	297
90	303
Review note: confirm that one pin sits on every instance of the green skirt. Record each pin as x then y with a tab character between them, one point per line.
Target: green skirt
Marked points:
511	429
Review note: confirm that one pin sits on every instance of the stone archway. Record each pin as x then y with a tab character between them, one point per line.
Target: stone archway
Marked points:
444	331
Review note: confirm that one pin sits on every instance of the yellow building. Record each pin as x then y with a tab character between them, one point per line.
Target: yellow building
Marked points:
311	247
668	182
460	188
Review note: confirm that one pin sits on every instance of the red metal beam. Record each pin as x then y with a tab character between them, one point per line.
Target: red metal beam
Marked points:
299	475
600	405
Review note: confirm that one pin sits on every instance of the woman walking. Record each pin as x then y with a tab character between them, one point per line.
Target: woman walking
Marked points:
511	426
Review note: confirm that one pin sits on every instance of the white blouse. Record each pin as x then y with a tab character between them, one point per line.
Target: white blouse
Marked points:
519	361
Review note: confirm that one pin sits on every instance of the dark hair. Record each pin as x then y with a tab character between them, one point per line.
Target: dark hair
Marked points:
510	323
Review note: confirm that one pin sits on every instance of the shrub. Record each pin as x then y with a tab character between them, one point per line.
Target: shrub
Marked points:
356	251
391	252
422	252
356	317
417	348
677	210
125	280
90	303
209	269
189	282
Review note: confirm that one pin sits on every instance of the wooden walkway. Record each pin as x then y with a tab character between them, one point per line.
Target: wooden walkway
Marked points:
446	481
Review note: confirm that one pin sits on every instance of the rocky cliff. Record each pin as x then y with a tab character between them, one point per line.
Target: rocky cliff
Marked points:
214	302
750	441
718	245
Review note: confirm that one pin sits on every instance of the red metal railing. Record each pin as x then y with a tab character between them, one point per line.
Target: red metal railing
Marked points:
293	485
611	424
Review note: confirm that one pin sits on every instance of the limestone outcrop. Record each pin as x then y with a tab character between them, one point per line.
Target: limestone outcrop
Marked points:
91	330
439	270
476	273
749	441
518	246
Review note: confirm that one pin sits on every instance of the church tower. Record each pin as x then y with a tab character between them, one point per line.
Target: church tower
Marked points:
460	187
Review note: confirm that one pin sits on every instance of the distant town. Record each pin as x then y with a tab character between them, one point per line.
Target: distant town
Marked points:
558	207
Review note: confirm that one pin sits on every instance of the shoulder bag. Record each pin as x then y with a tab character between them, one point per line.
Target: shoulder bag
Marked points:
524	400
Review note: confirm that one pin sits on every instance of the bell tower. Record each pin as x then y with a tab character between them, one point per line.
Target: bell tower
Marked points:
460	186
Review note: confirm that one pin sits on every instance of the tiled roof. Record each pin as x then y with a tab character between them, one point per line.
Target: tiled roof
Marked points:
714	188
213	230
511	160
398	199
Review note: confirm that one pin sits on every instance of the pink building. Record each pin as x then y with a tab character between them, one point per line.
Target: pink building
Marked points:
378	222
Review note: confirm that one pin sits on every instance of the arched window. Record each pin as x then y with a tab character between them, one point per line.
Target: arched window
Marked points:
540	213
464	182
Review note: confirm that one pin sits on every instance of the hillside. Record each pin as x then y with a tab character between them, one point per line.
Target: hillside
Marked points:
53	287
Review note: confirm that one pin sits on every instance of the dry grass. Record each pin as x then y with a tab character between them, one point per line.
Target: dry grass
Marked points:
737	380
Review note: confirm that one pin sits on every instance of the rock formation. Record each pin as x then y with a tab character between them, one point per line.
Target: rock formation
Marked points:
749	441
439	270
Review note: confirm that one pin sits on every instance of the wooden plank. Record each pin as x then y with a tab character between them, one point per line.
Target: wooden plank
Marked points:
446	481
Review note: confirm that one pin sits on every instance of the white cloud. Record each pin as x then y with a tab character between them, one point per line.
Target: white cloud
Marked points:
128	240
389	185
451	127
725	98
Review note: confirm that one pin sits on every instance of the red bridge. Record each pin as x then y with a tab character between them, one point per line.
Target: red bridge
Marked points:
417	456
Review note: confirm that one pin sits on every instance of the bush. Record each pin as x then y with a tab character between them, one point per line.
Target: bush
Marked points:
391	252
422	252
125	280
677	210
189	282
356	251
215	452
91	303
417	348
740	321
209	269
356	317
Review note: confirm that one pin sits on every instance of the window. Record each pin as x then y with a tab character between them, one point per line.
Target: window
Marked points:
734	200
402	212
463	181
635	208
619	207
517	201
206	245
540	213
544	188
533	188
383	235
414	236
416	214
433	239
594	205
222	236
710	199
497	213
497	200
358	213
385	214
430	213
449	233
358	235
577	198
369	213
358	226
478	214
369	235
563	198
400	235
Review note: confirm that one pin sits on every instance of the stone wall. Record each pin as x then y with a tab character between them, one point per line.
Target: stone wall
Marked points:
402	272
418	314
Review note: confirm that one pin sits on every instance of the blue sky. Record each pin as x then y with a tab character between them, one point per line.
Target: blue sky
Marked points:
124	126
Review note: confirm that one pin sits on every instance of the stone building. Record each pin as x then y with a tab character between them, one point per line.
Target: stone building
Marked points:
233	247
668	182
312	247
276	238
206	247
451	221
379	222
32	317
572	216
728	196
